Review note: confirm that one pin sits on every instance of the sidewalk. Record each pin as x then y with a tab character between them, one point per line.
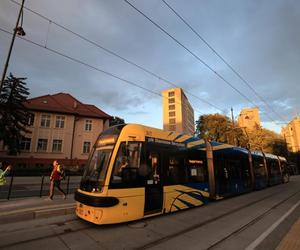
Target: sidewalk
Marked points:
292	239
23	209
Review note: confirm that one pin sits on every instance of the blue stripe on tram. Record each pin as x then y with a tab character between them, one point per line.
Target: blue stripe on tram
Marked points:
186	203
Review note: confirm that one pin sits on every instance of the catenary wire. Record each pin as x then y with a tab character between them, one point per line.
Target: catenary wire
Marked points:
118	56
93	67
194	55
223	59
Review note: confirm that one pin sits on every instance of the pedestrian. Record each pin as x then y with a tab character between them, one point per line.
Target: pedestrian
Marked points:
4	171
55	179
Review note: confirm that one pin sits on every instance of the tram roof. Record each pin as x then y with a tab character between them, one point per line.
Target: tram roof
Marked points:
192	142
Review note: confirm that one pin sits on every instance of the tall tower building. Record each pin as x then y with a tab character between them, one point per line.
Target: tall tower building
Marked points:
178	114
291	134
249	118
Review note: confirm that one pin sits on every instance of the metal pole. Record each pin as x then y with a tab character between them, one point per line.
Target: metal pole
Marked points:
232	118
68	183
42	186
10	185
10	48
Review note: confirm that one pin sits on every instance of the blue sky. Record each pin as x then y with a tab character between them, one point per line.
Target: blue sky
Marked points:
260	39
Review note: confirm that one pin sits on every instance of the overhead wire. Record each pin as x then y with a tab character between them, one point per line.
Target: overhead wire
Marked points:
118	56
222	58
93	67
194	55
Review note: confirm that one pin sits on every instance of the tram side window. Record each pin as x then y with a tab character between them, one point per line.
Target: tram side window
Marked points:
197	171
233	167
176	171
259	167
274	168
127	163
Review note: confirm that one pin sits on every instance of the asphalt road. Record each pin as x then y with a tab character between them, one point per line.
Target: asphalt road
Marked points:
257	220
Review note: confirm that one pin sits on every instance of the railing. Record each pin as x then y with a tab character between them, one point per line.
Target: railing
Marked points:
33	186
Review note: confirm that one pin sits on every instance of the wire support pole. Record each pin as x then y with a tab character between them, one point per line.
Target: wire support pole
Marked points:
11	46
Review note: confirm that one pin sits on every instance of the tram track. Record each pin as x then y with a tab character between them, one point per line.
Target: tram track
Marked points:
88	226
252	222
211	220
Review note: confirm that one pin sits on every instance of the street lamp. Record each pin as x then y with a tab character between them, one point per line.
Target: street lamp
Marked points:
18	30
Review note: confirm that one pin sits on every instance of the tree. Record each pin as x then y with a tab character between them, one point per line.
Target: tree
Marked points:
219	128
116	121
267	140
13	113
213	127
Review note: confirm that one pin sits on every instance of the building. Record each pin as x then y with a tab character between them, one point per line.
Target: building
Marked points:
178	114
249	118
291	134
62	128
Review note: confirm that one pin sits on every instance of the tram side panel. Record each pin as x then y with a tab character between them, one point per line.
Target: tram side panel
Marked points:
261	180
273	171
232	172
185	179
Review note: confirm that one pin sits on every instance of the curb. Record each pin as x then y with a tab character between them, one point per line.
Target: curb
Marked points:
36	213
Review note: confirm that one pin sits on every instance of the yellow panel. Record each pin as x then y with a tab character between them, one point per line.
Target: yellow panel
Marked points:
222	146
125	192
180	204
195	143
183	138
190	199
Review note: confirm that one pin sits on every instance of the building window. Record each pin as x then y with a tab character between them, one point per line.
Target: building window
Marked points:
45	121
172	107
42	145
60	121
30	119
172	100
172	113
86	147
172	127
57	145
172	120
171	94
25	144
88	125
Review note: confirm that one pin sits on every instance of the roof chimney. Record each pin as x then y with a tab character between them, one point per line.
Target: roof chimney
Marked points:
75	105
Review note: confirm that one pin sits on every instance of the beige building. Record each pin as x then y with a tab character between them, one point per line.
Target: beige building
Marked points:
178	114
61	128
249	118
291	134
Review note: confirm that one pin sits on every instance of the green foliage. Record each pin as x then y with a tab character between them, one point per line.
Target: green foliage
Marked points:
213	127
219	128
116	121
268	141
13	113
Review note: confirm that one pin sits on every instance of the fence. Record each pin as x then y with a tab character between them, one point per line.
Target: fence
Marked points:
30	186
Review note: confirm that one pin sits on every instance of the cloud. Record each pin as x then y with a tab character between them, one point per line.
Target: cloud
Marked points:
260	39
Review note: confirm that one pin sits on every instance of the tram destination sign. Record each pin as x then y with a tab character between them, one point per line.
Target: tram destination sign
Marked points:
166	142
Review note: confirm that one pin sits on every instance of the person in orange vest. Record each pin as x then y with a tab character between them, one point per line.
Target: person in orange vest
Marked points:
55	179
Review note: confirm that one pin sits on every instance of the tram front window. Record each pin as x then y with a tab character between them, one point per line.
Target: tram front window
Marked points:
127	165
95	172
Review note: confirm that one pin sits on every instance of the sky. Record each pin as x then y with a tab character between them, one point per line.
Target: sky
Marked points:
260	39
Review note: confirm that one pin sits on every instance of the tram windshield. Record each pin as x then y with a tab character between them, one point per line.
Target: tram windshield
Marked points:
95	171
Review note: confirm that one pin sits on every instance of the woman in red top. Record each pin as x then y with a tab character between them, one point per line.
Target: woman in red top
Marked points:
55	178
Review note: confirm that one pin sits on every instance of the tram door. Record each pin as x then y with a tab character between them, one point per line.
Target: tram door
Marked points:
153	187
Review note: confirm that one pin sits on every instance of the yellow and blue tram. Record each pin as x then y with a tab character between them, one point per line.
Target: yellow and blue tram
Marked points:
136	171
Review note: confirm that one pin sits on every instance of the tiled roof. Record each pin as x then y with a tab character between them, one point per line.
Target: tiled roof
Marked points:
66	104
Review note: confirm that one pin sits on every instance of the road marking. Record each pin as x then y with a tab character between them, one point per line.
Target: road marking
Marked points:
255	243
